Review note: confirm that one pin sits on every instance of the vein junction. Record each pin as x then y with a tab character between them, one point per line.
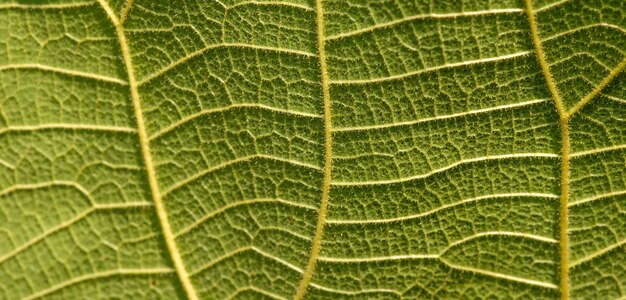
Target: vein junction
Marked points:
566	155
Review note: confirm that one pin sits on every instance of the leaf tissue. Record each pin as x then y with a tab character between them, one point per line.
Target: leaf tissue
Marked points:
312	149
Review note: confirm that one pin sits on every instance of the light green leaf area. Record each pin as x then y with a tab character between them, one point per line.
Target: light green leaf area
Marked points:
302	149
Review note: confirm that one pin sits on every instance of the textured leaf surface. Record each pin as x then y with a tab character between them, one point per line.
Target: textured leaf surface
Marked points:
344	149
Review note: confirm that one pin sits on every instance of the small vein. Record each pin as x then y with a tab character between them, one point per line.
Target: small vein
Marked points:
440	208
426	16
597	197
76	280
242	250
238	204
502	276
34	186
350	260
233	162
125	11
272	3
45	6
501	233
62	71
442	117
571	31
551	5
254	289
228	108
608	79
220	259
224	45
598	151
6	164
68	126
439	255
430	69
450	166
613	98
345	292
598	253
70	222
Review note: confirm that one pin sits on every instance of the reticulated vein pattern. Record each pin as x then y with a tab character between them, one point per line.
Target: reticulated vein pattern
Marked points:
447	178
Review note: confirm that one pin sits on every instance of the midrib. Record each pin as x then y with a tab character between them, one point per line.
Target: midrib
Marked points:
166	229
328	145
565	156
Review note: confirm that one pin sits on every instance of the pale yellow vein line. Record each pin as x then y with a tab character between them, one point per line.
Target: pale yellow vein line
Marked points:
426	16
565	160
597	197
529	236
346	292
431	69
89	127
614	98
45	6
7	164
273	3
278	259
571	31
501	276
110	13
444	168
541	57
39	185
223	45
228	108
98	275
254	289
125	11
355	260
328	154
598	151
223	165
598	253
220	259
147	157
238	204
442	117
68	223
453	266
551	5
440	208
62	71
238	251
439	255
618	69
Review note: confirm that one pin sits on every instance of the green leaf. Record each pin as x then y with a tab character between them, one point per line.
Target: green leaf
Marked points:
329	149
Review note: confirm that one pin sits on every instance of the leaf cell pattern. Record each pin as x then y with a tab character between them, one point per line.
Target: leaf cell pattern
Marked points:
328	149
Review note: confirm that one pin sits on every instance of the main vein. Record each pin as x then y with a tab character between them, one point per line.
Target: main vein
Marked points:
147	156
328	153
565	156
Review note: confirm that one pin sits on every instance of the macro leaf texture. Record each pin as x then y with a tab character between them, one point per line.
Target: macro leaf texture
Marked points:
312	149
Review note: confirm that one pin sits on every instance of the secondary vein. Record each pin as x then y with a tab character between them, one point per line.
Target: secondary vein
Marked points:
565	156
328	145
147	157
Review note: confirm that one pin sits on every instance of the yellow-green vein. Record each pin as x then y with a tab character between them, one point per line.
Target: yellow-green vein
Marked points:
166	229
565	159
328	146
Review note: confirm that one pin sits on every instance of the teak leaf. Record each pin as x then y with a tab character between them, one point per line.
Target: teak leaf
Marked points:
312	149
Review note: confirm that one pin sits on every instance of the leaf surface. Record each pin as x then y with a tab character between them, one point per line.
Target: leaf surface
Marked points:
360	149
